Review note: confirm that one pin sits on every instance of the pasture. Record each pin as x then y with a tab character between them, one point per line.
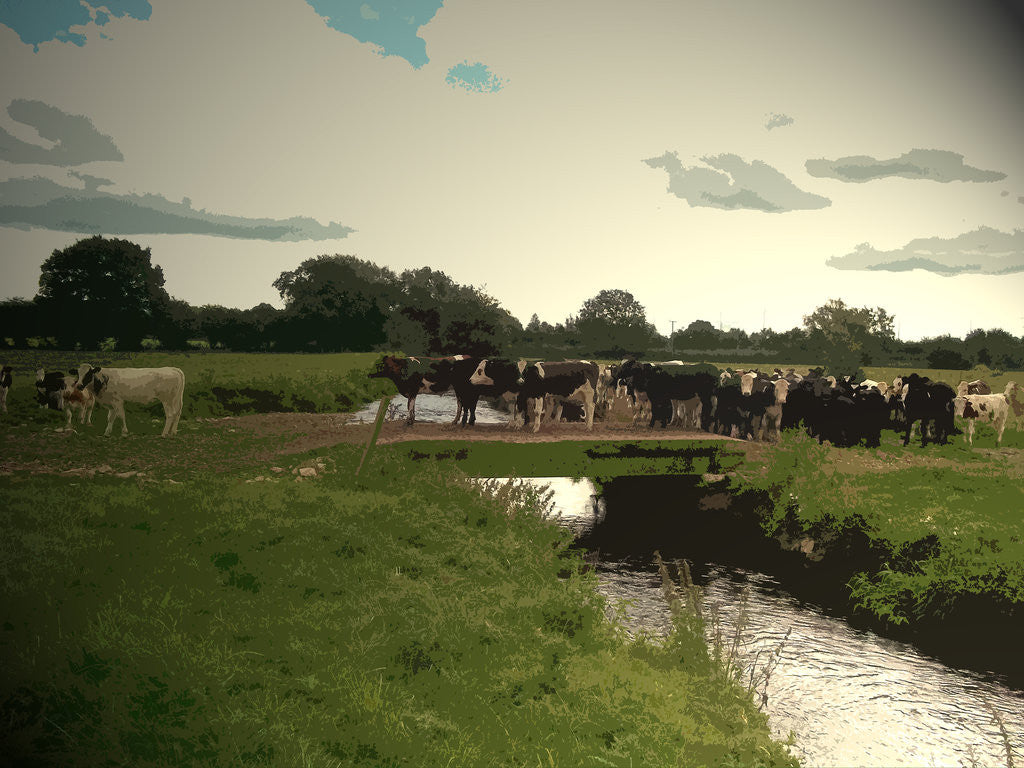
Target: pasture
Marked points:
187	601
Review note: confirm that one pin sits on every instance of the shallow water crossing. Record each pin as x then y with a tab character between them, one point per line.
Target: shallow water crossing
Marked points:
849	696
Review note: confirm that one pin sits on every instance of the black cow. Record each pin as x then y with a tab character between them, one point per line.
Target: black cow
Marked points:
931	402
414	376
570	380
5	385
49	389
726	410
662	384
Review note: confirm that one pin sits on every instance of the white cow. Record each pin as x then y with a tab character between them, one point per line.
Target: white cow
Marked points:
994	408
113	387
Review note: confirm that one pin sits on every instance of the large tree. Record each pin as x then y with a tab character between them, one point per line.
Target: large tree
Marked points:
435	315
99	288
613	322
334	303
849	337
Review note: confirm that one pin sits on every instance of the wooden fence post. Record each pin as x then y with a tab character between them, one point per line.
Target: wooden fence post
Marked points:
382	409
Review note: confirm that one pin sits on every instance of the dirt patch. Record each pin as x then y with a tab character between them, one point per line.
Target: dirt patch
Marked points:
302	432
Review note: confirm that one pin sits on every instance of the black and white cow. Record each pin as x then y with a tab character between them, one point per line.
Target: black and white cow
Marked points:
113	387
5	385
414	376
500	377
57	391
572	380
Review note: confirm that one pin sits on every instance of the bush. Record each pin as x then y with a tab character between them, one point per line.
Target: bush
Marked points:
949	359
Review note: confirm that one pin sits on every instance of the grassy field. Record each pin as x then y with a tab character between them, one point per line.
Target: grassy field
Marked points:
404	618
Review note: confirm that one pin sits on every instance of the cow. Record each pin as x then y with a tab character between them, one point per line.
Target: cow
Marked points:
985	408
773	414
414	376
500	377
931	402
574	380
667	386
56	391
5	385
113	387
976	387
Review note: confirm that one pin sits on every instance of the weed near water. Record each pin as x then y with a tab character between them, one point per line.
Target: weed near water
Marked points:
945	533
403	618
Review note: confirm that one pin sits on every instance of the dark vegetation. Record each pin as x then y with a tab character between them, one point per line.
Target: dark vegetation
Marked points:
107	294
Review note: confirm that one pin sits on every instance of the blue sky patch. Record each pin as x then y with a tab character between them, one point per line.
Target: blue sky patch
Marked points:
38	22
475	77
390	24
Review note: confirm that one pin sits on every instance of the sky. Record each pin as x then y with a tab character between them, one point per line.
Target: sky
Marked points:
737	162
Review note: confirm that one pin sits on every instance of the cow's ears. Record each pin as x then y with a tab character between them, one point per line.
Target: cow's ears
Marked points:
97	369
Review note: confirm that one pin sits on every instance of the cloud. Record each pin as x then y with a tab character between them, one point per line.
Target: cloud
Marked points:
984	251
38	202
37	21
778	121
733	183
389	25
475	78
76	139
933	164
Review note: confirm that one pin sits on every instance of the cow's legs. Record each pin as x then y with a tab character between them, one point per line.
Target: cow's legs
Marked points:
970	432
411	405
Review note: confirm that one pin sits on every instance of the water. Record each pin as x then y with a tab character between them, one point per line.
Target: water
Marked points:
429	408
850	697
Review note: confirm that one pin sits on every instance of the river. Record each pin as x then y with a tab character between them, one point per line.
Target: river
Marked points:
850	697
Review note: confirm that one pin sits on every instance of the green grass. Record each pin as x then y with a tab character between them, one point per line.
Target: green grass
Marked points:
405	619
948	533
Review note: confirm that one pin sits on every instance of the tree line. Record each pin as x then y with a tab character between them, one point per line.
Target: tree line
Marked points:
106	293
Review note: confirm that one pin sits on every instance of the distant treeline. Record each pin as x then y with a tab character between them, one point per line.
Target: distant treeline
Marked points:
106	294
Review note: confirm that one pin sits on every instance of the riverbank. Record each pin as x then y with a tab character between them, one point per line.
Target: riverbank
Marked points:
399	618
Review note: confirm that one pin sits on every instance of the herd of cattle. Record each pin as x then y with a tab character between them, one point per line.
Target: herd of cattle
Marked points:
744	404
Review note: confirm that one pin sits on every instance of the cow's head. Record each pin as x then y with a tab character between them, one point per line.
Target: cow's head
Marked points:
480	377
389	366
90	377
781	390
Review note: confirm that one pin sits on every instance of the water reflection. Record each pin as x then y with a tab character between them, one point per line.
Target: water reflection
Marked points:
429	408
849	696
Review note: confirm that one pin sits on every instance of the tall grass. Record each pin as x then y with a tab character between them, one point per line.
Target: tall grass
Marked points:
401	619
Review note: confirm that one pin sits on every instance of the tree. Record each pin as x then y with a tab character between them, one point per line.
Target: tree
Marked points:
614	323
848	336
433	314
700	334
99	288
334	303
